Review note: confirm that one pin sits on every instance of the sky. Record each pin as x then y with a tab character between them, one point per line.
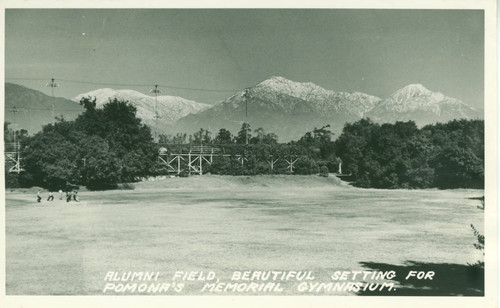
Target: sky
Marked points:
213	53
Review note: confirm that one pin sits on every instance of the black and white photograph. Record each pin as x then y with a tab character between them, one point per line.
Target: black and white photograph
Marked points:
251	155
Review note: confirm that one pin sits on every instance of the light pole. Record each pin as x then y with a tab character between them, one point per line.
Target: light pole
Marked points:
52	85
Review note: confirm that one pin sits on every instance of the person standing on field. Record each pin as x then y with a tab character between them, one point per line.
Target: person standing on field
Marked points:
51	196
75	197
60	194
38	197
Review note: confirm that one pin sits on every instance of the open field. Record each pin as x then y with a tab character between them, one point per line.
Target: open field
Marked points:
226	224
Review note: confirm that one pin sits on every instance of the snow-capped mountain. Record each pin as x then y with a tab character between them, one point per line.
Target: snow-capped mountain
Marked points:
290	109
320	99
287	108
417	103
284	107
170	108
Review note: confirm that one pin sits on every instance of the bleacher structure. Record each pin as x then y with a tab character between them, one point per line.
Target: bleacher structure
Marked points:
192	158
13	157
195	156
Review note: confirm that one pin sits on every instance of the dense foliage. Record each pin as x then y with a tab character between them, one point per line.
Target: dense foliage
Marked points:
320	147
99	149
400	155
224	136
104	147
264	159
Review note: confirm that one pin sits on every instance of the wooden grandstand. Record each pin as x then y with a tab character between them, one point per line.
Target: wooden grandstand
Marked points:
193	158
12	153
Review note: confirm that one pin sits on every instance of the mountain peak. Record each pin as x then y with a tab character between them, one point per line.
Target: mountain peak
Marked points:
289	87
280	78
274	81
169	108
413	91
416	102
416	88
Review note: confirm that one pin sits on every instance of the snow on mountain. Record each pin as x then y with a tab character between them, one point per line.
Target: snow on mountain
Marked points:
417	103
284	107
170	108
277	104
320	99
290	108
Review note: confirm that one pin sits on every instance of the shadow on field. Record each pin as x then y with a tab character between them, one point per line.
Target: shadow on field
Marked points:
449	279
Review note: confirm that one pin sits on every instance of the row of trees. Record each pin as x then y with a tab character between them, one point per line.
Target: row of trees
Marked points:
224	136
106	146
400	155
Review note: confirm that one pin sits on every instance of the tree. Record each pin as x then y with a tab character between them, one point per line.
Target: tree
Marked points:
400	155
11	135
179	138
244	134
319	142
458	167
260	133
458	159
99	149
201	137
263	138
223	137
164	138
270	138
99	167
51	159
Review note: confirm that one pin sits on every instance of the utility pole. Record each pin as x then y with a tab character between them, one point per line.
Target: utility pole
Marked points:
15	110
157	116
52	85
245	96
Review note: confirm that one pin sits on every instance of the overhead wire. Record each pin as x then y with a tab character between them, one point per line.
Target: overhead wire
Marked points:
124	84
107	84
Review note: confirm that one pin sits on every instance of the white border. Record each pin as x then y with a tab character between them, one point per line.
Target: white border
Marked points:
491	168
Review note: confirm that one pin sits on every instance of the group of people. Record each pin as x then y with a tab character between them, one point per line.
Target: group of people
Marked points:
70	195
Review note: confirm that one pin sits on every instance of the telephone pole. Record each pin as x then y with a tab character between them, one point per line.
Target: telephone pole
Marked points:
13	153
245	96
156	91
52	85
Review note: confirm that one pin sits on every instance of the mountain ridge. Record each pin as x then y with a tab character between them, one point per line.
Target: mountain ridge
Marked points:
30	109
170	108
416	102
278	105
307	105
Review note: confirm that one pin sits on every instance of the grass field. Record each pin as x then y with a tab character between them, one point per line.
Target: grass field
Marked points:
225	224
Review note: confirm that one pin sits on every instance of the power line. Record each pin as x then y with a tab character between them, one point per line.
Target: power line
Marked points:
126	84
44	109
